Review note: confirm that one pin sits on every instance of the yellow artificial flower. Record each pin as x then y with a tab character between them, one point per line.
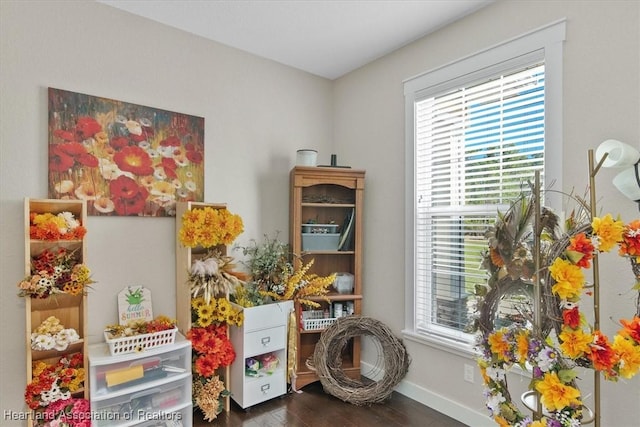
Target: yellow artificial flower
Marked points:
196	303
609	232
555	395
499	344
629	356
575	343
205	321
502	422
539	423
205	311
522	346
569	279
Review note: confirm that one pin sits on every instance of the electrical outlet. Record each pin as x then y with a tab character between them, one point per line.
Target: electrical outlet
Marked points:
468	373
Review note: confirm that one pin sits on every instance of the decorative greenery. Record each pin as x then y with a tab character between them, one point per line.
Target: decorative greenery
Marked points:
552	357
275	278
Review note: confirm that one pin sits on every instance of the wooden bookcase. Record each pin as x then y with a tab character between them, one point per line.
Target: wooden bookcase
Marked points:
328	195
185	256
69	309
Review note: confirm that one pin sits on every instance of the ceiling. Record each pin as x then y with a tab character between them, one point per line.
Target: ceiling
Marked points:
327	38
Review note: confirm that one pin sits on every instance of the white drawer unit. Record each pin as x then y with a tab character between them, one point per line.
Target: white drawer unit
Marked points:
147	389
259	372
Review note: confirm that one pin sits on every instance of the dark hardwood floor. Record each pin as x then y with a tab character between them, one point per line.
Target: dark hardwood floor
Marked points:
314	408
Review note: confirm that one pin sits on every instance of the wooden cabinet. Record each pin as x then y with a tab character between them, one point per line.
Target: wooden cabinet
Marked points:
141	389
262	337
327	196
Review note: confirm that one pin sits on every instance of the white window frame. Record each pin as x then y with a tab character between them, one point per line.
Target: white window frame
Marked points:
543	44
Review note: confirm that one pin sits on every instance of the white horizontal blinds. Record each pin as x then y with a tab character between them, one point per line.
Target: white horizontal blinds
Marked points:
476	148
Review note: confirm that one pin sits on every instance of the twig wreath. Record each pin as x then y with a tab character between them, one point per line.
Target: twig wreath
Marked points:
563	339
328	361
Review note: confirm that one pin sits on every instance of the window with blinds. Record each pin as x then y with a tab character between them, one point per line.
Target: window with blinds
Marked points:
476	147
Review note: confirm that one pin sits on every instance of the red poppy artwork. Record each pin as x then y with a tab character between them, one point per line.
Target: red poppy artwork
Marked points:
124	159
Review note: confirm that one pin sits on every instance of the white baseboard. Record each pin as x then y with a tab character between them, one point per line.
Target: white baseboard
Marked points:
435	401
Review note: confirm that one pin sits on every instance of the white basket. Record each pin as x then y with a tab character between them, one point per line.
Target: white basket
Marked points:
316	324
142	342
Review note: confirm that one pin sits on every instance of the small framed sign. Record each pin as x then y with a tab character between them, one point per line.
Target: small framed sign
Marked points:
134	305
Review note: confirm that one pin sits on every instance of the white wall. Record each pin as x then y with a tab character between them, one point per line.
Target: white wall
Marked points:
257	114
601	101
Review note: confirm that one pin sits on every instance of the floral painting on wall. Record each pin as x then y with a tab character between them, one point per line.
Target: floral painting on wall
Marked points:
123	159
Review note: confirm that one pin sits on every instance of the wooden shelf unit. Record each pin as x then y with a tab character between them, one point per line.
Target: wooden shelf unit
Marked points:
327	195
185	257
69	309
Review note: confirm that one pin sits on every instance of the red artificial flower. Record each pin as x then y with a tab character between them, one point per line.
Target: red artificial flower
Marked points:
581	243
571	318
119	142
135	160
631	329
601	354
86	127
206	365
630	244
58	160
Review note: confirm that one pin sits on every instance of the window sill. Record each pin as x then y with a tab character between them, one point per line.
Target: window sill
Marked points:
441	343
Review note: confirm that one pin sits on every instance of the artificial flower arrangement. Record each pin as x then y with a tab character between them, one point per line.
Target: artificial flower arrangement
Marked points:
214	274
66	413
51	334
158	324
212	350
55	272
552	358
208	227
62	226
211	276
274	277
55	382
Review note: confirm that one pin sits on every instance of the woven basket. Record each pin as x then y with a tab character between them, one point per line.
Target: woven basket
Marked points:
142	342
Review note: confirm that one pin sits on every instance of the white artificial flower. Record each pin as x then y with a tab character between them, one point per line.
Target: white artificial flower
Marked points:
211	266
496	374
43	342
494	401
198	268
71	222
